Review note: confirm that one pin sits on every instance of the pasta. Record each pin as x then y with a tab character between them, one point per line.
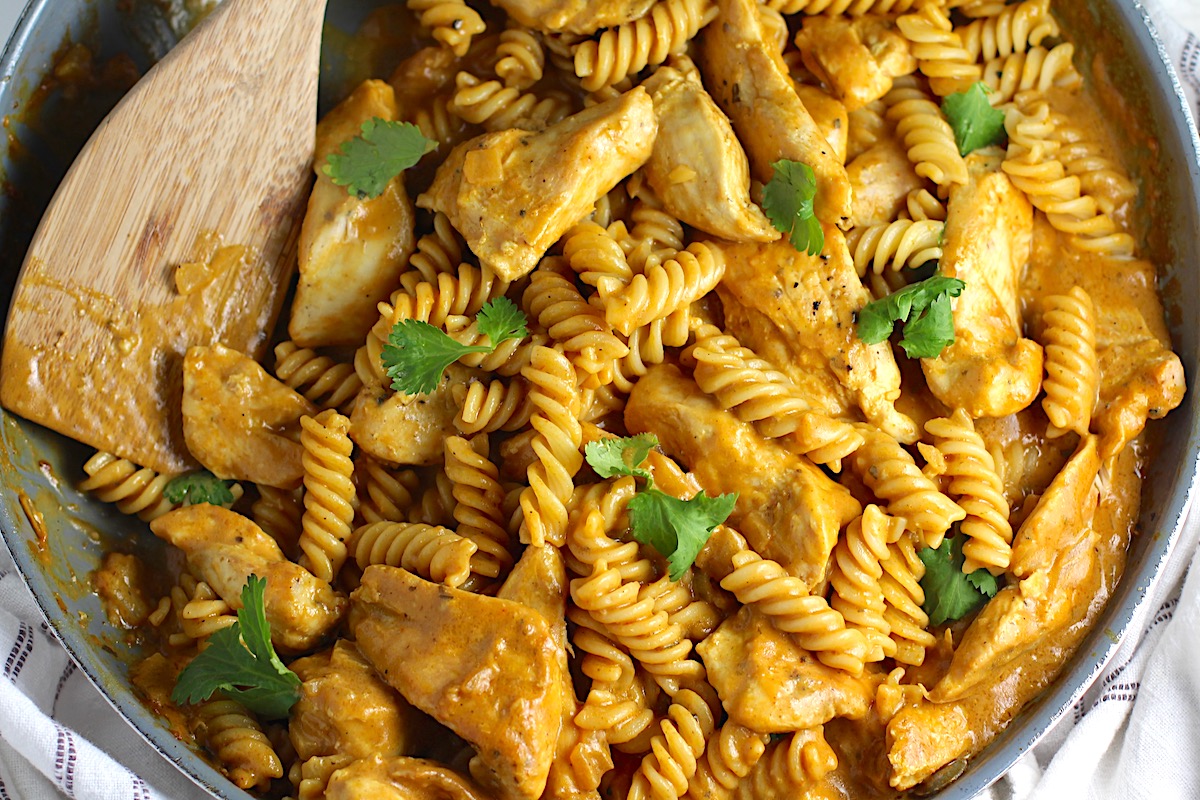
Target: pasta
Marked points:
490	544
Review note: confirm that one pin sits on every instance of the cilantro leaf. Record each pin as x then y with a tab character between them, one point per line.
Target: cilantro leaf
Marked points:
788	203
366	163
241	663
194	488
984	581
677	528
417	353
501	320
623	456
923	306
949	594
929	331
975	122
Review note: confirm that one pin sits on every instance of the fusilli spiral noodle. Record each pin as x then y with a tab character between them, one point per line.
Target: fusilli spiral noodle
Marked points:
855	580
434	553
573	323
329	494
665	288
628	49
927	137
498	107
1100	176
729	756
494	406
790	766
892	476
672	761
1035	70
556	420
901	587
451	22
237	740
1014	30
785	600
972	481
479	501
921	205
599	510
436	506
453	293
322	380
648	635
134	490
854	8
616	702
521	59
867	126
939	50
385	495
656	233
899	244
199	611
1068	334
1032	165
597	257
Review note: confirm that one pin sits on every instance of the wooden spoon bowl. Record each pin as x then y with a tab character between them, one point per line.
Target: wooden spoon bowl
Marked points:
205	163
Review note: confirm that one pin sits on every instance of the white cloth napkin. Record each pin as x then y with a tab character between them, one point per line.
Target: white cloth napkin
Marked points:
1134	735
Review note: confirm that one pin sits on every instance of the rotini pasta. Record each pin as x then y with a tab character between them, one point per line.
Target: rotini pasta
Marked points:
329	494
627	49
1072	372
891	474
555	395
939	50
1014	29
972	481
452	22
926	135
322	380
237	740
479	499
435	553
855	580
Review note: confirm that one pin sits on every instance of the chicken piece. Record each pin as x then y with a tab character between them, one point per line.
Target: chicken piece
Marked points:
352	249
378	777
1140	378
1053	564
512	194
238	421
224	549
797	311
400	428
787	509
770	684
749	81
991	370
488	669
830	116
857	58
539	580
346	709
922	739
882	177
700	171
574	16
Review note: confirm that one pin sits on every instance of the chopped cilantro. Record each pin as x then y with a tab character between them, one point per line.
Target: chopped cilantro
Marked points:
924	308
417	353
949	594
788	202
676	528
194	488
241	663
385	149
975	122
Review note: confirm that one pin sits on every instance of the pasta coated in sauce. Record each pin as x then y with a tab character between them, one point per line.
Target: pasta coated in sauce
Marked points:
461	594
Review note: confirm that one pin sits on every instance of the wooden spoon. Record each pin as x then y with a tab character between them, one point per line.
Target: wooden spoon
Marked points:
215	141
